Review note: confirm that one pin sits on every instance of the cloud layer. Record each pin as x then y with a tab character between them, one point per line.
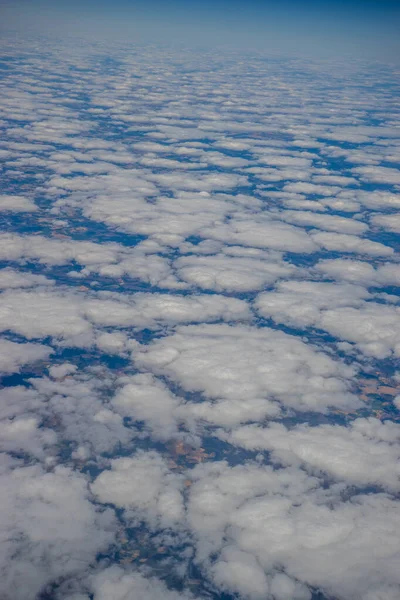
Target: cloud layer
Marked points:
200	325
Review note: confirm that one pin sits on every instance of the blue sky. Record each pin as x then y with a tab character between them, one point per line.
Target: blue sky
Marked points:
366	28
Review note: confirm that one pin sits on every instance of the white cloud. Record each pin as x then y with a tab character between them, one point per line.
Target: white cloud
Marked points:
374	328
262	232
342	242
387	222
374	200
300	303
10	278
144	398
71	317
285	520
249	369
49	314
222	272
49	529
17	204
328	222
78	407
378	174
153	310
114	582
364	453
311	188
13	356
26	435
340	309
357	271
144	484
240	572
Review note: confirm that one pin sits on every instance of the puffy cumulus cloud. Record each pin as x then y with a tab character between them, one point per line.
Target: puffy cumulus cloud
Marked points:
119	584
269	174
55	128
49	251
144	484
283	587
342	242
218	491
373	200
143	397
387	222
11	203
181	216
230	412
373	327
23	428
294	532
327	222
360	272
141	262
262	232
49	314
77	406
10	278
379	174
340	204
248	369
23	411
223	272
109	259
49	529
219	159
238	571
26	435
153	310
20	400
299	202
71	317
112	343
311	189
286	161
13	355
340	309
204	182
129	202
335	180
364	453
300	303
62	370
148	267
360	133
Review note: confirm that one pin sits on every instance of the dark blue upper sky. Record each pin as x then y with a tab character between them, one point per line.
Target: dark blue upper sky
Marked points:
366	28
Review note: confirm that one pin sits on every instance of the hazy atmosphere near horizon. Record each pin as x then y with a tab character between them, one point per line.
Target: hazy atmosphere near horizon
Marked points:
199	300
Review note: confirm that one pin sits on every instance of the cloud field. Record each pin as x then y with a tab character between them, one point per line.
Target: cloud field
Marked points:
200	325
